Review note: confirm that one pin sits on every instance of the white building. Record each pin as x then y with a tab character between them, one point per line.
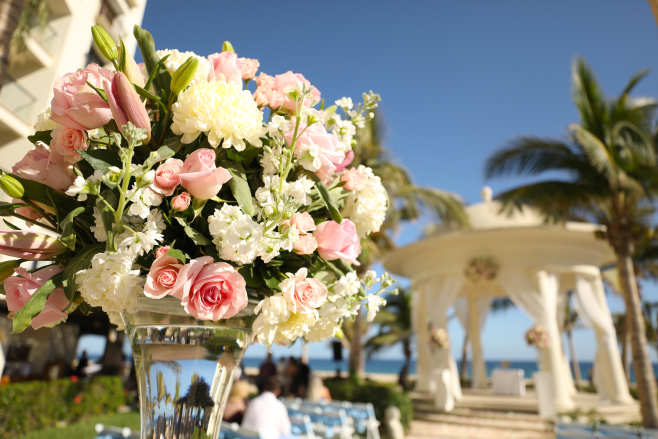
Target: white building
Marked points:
64	46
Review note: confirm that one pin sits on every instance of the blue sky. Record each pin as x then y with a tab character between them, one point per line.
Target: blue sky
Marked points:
457	80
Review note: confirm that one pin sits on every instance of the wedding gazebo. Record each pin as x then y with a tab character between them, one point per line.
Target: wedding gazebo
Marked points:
521	257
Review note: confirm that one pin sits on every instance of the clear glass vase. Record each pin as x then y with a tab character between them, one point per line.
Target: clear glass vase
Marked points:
185	366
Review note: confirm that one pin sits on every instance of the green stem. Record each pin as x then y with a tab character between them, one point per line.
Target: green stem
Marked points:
30	220
40	211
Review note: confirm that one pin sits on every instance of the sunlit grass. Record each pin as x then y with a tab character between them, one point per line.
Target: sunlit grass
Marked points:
85	430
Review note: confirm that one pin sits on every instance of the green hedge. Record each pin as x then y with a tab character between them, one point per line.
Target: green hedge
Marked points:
38	405
380	395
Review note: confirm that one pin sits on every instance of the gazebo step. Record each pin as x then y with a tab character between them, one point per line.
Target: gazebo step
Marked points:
485	414
477	421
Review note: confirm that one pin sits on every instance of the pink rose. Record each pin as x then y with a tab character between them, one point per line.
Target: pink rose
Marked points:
201	177
306	245
162	277
20	289
166	177
302	293
26	211
353	180
338	241
161	251
212	290
46	167
76	104
67	140
249	67
284	80
226	64
265	93
181	202
329	154
349	158
303	221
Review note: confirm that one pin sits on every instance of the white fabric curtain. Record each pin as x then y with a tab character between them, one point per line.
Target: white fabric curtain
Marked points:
562	301
419	322
482	305
592	308
540	303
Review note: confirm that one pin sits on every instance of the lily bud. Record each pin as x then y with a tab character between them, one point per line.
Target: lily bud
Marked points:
132	72
7	269
28	245
126	105
105	43
227	47
11	186
184	75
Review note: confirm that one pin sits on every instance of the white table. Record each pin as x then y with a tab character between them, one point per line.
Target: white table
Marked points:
508	382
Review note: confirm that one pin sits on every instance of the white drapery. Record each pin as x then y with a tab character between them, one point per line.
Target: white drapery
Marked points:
592	308
464	311
562	301
440	295
419	322
540	303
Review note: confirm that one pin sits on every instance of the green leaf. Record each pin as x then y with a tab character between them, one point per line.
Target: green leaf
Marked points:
178	254
41	136
101	159
35	305
122	56
272	278
41	193
171	146
81	261
66	228
252	277
328	200
156	69
196	236
239	186
145	94
11	226
99	91
147	48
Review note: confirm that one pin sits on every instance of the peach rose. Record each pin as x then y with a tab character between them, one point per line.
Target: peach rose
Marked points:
329	154
249	67
77	105
201	177
226	64
162	278
265	91
161	251
47	167
338	241
181	202
303	221
303	293
19	291
212	290
353	180
306	245
166	177
284	80
68	141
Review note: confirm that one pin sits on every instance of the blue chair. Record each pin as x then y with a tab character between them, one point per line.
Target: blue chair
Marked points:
234	431
302	426
107	432
574	433
328	424
617	431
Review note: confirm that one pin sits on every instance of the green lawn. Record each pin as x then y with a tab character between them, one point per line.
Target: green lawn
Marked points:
86	430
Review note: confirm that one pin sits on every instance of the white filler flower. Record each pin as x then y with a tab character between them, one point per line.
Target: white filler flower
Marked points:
367	206
222	111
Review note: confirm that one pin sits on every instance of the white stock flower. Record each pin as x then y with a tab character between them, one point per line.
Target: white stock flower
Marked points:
221	110
338	308
345	131
278	123
322	330
367	206
236	235
374	302
348	285
44	123
76	188
98	229
270	161
177	58
345	103
309	156
148	234
110	282
142	201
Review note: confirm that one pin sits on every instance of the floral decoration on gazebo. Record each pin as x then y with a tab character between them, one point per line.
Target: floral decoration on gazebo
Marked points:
537	336
481	269
439	338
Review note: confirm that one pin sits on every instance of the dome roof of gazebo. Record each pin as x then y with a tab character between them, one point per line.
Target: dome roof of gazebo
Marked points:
517	239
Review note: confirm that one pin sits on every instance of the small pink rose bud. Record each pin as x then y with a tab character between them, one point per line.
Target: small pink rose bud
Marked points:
181	202
161	251
126	105
28	245
353	180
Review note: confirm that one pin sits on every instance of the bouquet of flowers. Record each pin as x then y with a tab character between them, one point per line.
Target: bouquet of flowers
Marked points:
537	336
481	269
439	338
172	178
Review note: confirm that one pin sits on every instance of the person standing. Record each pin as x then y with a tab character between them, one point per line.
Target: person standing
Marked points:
266	414
267	370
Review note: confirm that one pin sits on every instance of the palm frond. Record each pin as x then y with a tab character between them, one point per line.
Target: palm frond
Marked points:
589	98
446	206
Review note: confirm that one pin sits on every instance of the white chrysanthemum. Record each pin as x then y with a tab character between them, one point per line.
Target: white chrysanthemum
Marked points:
221	110
98	229
374	302
367	206
322	330
110	282
43	122
298	325
348	285
177	58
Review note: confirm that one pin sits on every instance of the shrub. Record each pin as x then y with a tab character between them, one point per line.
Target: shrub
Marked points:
379	394
38	405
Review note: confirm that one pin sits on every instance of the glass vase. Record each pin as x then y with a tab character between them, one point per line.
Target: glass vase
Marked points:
184	366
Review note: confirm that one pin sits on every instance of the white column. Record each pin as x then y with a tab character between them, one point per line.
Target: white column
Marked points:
478	370
419	321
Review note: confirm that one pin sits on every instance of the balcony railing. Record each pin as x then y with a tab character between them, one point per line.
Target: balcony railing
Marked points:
16	98
45	36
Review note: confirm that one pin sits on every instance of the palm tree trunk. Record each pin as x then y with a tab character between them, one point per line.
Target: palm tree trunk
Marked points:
646	382
574	359
10	11
625	342
357	365
462	366
654	9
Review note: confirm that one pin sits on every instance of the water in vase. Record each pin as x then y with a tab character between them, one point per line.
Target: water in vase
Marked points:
184	374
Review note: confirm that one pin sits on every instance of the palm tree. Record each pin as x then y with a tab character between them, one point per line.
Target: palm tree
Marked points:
569	320
408	202
609	161
16	19
395	327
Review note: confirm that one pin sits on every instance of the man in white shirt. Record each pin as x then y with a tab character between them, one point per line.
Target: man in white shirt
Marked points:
266	413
